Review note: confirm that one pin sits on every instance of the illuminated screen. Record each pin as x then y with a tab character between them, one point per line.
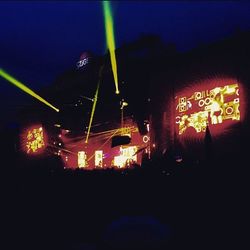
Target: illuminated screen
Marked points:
82	159
99	158
127	156
34	140
214	106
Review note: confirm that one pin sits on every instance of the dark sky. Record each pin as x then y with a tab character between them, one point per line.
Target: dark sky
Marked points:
41	39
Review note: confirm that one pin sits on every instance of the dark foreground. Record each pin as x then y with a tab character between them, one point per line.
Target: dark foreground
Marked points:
179	206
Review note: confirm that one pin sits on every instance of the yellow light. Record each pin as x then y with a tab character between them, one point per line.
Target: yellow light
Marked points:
127	156
208	107
110	40
119	161
21	86
92	112
99	158
35	140
82	159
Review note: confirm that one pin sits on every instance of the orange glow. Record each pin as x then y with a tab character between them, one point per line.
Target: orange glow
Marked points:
211	106
34	140
98	153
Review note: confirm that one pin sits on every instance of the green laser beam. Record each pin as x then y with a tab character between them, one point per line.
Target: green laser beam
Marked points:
110	40
94	105
24	88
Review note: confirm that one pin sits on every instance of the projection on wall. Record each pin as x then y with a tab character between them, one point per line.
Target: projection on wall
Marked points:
34	140
214	106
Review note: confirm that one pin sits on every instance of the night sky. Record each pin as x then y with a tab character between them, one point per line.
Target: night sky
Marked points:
40	40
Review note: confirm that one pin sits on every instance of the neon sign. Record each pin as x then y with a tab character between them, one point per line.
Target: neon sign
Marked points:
207	107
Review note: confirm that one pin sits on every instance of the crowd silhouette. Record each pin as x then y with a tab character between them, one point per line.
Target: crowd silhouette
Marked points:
198	203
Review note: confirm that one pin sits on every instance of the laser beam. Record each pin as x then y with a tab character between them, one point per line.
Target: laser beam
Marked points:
94	102
110	40
92	112
24	88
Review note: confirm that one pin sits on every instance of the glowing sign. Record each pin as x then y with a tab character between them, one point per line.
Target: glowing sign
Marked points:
82	159
209	107
99	158
84	60
82	63
35	142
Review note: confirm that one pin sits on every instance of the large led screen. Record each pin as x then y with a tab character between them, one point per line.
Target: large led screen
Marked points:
218	107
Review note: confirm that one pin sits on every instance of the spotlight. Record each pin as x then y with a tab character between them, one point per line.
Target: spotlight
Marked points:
110	40
24	88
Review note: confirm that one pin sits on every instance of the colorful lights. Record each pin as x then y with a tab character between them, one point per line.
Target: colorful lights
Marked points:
110	40
212	106
98	153
21	86
34	140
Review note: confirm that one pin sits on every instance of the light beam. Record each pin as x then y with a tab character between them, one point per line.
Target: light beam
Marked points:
92	112
110	40
24	88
